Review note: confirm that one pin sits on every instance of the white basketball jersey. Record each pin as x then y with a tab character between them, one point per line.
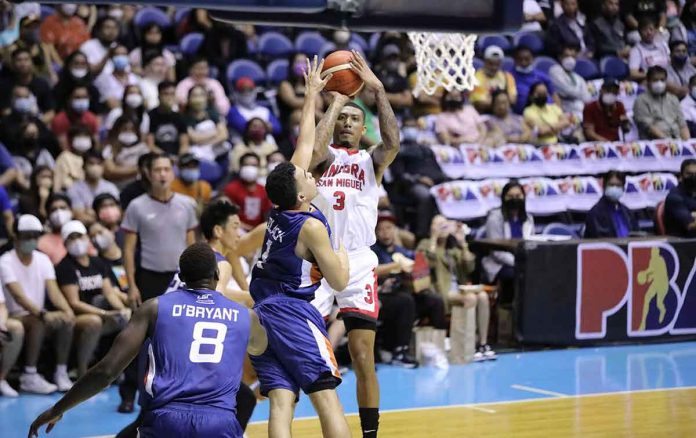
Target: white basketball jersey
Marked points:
348	197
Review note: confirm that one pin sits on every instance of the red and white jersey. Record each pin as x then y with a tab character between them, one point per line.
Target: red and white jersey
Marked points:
348	197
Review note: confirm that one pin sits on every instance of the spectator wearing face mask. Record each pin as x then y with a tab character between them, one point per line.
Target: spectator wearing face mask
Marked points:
112	83
82	193
570	86
248	194
246	108
109	214
43	55
122	151
391	73
189	181
605	118
526	75
504	126
680	70
75	73
69	163
688	107
100	49
59	209
609	218
111	255
254	140
168	130
458	122
63	30
152	43
22	115
291	91
657	112
22	72
546	119
133	106
199	74
680	205
272	161
33	201
649	52
491	78
76	112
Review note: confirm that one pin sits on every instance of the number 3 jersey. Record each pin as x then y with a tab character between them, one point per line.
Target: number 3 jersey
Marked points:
348	197
279	271
196	353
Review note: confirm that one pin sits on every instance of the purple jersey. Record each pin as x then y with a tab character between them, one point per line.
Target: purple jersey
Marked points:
196	354
280	271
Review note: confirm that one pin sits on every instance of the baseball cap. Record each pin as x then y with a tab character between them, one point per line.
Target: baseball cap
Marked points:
244	82
610	84
187	159
493	52
391	50
386	215
72	227
28	223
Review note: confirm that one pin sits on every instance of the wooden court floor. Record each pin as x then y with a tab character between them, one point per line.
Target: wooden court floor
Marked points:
653	413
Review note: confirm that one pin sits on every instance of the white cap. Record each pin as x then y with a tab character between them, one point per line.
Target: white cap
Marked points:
72	227
493	52
28	222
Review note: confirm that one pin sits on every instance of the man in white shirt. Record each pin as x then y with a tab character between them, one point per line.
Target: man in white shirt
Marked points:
27	275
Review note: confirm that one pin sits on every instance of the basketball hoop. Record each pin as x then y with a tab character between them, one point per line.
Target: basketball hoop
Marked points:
443	60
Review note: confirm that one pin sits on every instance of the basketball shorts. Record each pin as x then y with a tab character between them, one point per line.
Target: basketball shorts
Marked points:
359	299
299	354
178	420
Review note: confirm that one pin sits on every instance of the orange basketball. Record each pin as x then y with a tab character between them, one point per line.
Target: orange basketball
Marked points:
344	80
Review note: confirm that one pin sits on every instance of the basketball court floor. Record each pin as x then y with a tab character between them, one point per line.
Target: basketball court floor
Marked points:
622	391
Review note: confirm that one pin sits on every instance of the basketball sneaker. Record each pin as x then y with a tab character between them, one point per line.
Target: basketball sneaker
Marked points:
401	358
484	352
36	384
62	381
6	390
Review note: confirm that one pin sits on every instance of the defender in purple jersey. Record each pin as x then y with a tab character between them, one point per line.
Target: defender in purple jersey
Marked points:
296	254
195	341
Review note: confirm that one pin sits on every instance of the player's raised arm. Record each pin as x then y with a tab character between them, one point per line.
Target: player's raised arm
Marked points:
302	156
332	264
385	152
325	130
123	351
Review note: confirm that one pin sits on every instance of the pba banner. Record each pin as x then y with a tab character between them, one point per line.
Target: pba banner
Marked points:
573	293
467	200
469	161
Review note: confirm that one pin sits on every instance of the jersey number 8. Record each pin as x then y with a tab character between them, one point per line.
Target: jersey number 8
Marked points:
216	342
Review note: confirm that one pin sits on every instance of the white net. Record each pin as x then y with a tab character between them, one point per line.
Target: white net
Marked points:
444	60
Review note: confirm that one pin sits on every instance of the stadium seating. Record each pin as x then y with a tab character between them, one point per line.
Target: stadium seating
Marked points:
190	43
245	67
149	15
544	63
273	45
277	71
587	69
309	43
612	66
493	40
530	40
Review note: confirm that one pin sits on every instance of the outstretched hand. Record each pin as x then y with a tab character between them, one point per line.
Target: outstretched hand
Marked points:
314	83
359	66
47	417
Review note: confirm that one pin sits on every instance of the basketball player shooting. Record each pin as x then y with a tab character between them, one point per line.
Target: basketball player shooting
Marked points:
348	183
196	343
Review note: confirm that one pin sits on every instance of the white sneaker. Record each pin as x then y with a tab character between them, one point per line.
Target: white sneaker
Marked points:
35	383
63	381
6	390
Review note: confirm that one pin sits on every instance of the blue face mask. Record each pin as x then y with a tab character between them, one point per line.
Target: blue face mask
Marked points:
23	105
190	175
120	62
614	193
409	133
525	70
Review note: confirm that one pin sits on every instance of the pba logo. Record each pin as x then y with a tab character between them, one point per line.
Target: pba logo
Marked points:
644	280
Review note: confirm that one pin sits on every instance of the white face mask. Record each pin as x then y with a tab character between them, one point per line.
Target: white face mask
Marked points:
78	248
134	100
82	143
658	87
79	73
249	173
128	138
60	217
272	166
568	63
608	99
103	240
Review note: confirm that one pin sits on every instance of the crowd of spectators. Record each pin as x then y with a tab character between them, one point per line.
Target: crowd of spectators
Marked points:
118	128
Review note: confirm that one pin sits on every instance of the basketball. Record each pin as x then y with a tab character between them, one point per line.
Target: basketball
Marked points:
344	80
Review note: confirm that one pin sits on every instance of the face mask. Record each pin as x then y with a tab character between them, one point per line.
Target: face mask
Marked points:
27	246
103	240
60	217
689	183
80	105
82	144
30	143
190	175
78	248
568	63
299	68
515	204
679	59
540	100
525	70
257	135
69	9
110	214
120	62
247	98
614	193
609	99
128	138
116	13
24	105
78	73
658	87
409	133
94	171
272	166
134	100
249	173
